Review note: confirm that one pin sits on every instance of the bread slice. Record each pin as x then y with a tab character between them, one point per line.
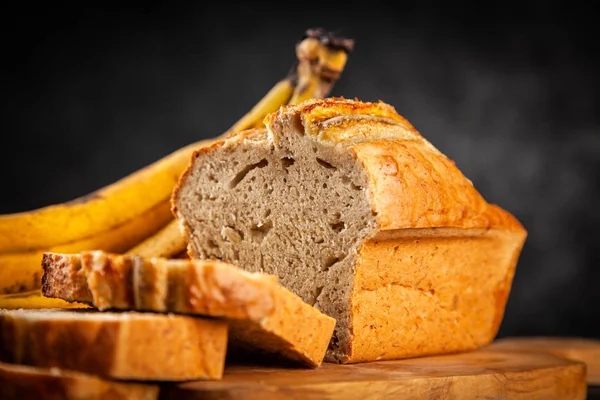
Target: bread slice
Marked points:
262	314
136	346
20	382
363	218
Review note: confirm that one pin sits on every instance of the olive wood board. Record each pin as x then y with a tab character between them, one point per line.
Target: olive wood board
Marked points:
578	349
494	372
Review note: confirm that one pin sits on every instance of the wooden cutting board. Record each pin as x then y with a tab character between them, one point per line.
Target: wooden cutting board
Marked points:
490	373
578	349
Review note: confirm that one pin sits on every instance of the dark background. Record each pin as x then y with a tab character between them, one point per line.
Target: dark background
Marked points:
510	91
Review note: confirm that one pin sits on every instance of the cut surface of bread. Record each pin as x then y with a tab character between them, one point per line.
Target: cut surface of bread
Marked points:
129	345
363	218
20	382
262	315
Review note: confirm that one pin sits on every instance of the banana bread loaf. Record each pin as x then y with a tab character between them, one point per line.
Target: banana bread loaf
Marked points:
363	218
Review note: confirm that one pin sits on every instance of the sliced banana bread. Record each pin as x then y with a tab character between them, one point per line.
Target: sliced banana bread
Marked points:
130	345
262	315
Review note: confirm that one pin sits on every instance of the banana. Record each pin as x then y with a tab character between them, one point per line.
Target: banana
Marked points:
34	299
80	219
166	243
321	60
278	95
21	271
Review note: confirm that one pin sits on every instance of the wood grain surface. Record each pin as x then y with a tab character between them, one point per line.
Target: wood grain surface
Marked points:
579	349
515	368
485	373
18	382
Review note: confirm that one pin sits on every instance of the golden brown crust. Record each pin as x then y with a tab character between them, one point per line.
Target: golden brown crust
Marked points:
259	306
19	382
431	293
205	287
316	113
412	184
414	187
293	330
115	345
68	270
187	171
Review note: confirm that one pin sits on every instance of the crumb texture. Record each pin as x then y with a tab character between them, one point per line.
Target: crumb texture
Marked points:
297	210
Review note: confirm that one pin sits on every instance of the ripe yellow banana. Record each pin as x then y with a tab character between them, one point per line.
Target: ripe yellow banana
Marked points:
22	271
34	299
105	209
166	243
321	60
278	95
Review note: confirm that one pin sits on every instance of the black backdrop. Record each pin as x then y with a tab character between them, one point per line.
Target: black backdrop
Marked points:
510	91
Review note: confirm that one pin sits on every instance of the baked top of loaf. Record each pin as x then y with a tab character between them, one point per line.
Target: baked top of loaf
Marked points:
137	346
262	314
412	184
21	382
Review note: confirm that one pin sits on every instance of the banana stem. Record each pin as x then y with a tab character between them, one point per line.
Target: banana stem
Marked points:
322	57
321	60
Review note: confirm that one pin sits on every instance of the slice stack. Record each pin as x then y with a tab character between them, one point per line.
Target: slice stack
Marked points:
262	315
167	320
